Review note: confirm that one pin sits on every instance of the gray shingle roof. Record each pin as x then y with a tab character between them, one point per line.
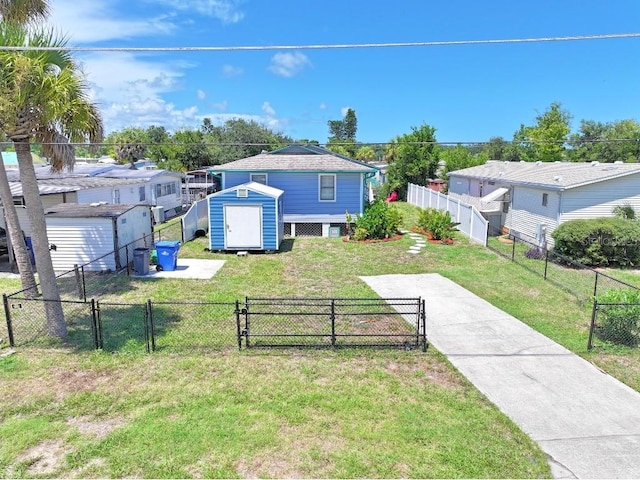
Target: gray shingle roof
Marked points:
72	184
80	210
552	175
298	159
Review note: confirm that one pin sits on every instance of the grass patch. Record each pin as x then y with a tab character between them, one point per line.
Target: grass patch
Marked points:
276	413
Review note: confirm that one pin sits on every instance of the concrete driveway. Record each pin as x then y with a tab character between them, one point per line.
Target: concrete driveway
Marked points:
585	420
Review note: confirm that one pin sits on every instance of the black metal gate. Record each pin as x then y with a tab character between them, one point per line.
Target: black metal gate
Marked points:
332	322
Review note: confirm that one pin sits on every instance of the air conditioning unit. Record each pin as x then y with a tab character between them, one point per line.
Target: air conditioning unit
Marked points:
158	214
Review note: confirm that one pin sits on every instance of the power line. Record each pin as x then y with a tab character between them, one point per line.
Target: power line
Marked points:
229	48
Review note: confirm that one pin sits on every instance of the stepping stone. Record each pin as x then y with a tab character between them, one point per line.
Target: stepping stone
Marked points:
422	243
404	231
415	247
414	251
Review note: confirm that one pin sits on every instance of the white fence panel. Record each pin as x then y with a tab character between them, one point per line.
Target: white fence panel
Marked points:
197	218
471	221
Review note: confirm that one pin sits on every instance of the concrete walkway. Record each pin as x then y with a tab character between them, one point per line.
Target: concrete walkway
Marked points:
585	420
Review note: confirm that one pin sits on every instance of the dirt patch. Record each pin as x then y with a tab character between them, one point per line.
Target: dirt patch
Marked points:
45	458
86	470
437	373
97	428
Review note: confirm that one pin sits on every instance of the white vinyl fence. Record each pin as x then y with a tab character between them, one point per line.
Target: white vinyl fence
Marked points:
197	218
471	221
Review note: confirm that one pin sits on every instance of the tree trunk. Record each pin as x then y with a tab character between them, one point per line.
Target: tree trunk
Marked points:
16	237
56	325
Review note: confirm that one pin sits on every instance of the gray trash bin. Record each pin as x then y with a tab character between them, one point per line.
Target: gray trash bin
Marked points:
141	261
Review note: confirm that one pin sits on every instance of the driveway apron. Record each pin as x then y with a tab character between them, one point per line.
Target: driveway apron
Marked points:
586	421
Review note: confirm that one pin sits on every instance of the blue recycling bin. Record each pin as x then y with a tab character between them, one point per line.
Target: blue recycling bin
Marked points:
167	252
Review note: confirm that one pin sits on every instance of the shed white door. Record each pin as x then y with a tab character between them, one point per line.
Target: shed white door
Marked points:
243	226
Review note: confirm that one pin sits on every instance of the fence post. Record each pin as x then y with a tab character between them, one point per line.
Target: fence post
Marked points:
5	301
595	286
513	250
152	328
423	319
238	325
76	272
247	325
333	322
594	314
146	326
98	318
84	284
94	324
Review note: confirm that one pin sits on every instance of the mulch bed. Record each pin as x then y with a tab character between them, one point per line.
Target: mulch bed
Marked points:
446	241
376	240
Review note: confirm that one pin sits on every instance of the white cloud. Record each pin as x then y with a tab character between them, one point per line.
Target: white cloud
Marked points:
288	64
129	91
96	21
231	71
226	11
344	111
201	94
323	106
268	109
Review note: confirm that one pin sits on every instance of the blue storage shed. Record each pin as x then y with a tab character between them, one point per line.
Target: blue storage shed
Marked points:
246	217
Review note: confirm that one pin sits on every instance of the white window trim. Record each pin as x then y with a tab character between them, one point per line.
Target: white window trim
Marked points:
266	177
335	187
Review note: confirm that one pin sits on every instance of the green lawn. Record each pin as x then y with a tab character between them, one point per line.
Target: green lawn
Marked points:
283	413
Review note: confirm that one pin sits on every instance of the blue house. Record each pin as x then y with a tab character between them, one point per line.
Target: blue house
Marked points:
246	217
319	186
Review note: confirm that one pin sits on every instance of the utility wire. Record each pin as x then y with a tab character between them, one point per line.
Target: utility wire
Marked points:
230	48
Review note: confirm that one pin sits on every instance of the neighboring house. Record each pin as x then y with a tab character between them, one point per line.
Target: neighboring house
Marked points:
197	184
319	186
83	233
246	217
529	200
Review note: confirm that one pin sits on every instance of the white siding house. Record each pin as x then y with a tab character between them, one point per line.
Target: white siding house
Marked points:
84	233
530	200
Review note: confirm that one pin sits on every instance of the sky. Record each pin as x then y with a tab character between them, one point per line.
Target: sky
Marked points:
469	93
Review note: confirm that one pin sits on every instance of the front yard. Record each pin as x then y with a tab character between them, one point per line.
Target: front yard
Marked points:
285	413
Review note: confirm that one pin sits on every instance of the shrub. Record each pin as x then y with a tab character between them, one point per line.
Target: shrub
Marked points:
619	322
607	241
379	220
437	223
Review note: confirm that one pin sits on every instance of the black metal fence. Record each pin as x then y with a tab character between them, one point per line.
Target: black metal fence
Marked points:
615	324
583	282
332	322
205	326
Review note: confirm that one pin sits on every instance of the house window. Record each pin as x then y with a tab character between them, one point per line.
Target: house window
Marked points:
545	199
142	193
116	196
327	188
259	178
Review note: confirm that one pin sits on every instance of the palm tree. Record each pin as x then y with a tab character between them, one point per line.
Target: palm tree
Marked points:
21	12
43	98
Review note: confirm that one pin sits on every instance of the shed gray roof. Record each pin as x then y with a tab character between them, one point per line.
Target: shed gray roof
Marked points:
296	158
83	210
552	175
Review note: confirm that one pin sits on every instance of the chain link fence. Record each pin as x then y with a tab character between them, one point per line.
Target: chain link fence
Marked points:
213	326
615	323
583	282
326	322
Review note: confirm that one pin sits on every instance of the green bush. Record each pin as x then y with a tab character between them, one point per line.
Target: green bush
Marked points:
620	321
438	223
607	241
379	220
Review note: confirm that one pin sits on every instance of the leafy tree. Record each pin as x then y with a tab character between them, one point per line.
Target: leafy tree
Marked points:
43	98
544	141
159	145
496	148
606	142
342	133
239	138
23	12
413	158
459	157
190	149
